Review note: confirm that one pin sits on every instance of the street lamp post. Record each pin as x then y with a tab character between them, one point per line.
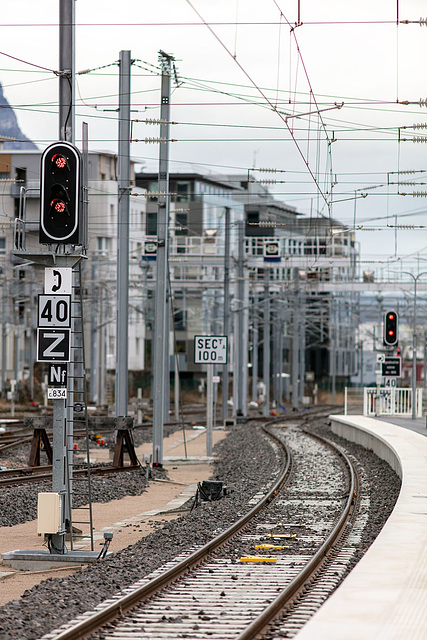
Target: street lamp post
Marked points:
414	343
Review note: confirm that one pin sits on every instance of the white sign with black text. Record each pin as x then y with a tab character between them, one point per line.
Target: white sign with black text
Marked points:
54	311
57	393
210	349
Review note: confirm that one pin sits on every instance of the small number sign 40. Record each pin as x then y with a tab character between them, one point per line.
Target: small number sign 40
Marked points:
54	311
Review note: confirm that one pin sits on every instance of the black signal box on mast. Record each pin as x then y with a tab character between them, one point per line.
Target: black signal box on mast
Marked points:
60	195
391	336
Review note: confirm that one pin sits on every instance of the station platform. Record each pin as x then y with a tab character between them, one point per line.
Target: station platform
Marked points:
384	596
418	425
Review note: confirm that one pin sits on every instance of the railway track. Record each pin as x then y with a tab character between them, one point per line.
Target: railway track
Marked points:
237	584
24	475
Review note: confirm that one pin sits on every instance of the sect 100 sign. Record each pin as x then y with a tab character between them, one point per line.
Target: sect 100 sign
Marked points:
210	349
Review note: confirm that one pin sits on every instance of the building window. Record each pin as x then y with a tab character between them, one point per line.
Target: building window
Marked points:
180	319
2	246
183	191
151	226
104	244
21	175
181	346
181	222
153	188
179	311
252	217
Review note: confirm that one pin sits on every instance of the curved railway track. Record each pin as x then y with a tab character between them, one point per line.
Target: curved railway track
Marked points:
222	590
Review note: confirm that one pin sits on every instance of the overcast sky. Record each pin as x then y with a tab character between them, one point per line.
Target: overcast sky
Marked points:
242	82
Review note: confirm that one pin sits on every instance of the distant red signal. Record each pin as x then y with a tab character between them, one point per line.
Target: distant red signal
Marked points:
390	328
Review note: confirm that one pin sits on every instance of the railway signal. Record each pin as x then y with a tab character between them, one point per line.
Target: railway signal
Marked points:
60	195
390	328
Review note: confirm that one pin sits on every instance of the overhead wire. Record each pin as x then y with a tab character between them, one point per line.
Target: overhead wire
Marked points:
231	140
260	91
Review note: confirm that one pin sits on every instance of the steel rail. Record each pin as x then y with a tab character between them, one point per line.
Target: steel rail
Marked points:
8	479
15	443
95	621
260	623
5	473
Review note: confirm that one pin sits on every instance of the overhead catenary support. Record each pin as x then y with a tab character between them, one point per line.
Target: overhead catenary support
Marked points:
276	352
226	327
94	334
266	347
63	426
255	335
102	366
302	301
280	354
241	350
295	341
122	327
33	324
66	69
3	335
161	338
332	352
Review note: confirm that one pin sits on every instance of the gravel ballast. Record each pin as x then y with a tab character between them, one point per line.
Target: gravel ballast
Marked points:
245	462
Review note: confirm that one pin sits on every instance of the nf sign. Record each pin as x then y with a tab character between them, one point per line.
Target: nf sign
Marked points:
57	375
210	349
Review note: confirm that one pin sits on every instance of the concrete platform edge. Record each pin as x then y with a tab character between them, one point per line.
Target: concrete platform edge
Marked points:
384	597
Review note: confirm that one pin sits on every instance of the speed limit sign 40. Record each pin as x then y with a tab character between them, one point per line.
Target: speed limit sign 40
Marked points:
54	311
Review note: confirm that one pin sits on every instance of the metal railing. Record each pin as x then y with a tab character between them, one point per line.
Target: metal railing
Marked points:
392	401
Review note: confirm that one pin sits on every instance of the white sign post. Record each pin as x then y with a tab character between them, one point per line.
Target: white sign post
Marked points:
209	410
210	350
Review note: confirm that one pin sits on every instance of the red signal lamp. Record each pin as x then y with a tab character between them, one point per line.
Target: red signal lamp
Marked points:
57	205
59	161
390	328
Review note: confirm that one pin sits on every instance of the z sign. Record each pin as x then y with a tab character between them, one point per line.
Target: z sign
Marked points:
53	345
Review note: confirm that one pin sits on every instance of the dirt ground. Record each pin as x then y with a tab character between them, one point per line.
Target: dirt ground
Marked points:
129	519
